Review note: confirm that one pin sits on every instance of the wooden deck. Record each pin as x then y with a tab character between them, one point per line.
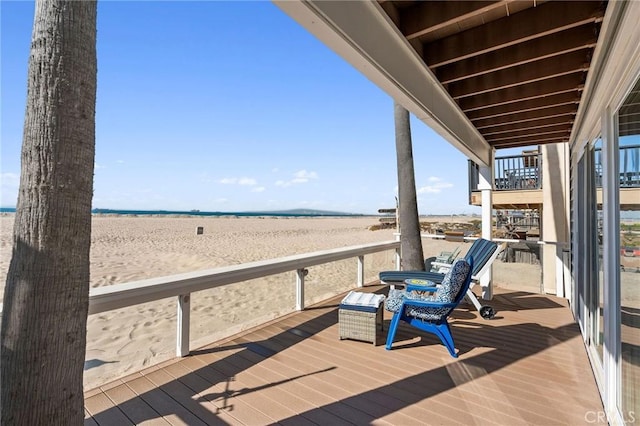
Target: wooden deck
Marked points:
526	366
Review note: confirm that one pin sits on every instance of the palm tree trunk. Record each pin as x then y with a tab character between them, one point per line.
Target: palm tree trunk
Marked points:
47	290
410	242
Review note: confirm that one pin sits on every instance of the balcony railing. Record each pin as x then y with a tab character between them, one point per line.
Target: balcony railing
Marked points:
522	172
181	286
511	173
629	166
517	172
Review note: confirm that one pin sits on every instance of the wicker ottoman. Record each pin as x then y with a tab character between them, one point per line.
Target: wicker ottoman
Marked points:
360	322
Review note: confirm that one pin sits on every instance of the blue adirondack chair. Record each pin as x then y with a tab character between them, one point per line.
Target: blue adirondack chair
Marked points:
483	251
430	312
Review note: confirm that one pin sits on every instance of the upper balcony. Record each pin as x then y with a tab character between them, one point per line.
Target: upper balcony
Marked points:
518	179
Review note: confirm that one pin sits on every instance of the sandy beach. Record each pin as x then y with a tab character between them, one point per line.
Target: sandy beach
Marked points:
126	249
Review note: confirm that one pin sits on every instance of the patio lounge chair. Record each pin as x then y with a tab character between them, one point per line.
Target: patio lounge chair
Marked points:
483	251
430	312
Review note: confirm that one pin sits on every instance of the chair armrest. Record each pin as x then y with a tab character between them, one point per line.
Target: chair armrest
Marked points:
417	287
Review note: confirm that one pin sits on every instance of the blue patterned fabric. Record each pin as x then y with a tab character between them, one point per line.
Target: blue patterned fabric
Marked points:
426	313
446	293
394	300
452	282
396	297
451	285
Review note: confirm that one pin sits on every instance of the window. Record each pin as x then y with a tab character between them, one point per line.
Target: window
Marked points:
629	229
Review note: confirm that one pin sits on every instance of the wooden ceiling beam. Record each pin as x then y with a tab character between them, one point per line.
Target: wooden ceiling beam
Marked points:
530	105
554	129
562	84
549	46
522	136
525	116
574	62
528	143
548	18
528	125
426	17
520	144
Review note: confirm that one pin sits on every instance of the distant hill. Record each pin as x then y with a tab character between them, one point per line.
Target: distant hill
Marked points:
304	212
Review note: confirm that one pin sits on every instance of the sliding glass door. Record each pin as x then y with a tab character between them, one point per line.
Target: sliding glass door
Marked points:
594	264
629	254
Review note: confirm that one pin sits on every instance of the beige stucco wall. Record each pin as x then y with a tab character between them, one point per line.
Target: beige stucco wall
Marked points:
555	213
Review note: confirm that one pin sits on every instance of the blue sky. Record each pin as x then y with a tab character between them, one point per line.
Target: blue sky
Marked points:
230	106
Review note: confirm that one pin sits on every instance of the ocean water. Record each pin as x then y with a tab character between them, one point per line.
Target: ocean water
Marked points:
286	213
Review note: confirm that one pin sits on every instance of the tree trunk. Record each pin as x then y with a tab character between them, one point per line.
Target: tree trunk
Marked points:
46	296
410	242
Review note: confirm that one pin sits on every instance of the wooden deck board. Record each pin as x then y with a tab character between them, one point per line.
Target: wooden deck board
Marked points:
162	403
138	411
225	394
104	411
527	366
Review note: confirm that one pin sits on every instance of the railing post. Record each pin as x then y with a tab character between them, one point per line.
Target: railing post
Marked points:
182	325
360	271
300	274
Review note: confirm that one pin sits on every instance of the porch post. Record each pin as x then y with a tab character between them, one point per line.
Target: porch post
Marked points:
485	185
300	274
183	325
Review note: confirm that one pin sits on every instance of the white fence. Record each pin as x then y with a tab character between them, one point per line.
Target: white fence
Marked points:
117	296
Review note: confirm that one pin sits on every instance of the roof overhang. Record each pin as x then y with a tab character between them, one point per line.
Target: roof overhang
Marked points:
363	34
484	75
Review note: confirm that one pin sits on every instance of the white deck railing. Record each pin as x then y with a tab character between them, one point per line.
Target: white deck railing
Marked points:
118	296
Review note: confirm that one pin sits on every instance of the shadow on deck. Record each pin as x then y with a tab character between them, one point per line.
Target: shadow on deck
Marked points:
528	365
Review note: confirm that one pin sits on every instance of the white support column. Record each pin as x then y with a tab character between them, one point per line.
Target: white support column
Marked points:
485	185
398	254
182	325
300	274
554	215
360	271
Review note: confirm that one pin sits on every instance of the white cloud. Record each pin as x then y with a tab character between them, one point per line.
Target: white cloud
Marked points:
120	161
258	189
97	166
435	186
246	181
238	181
301	176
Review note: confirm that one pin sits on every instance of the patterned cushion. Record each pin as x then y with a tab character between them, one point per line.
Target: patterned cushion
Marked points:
396	297
452	282
394	300
427	314
451	286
